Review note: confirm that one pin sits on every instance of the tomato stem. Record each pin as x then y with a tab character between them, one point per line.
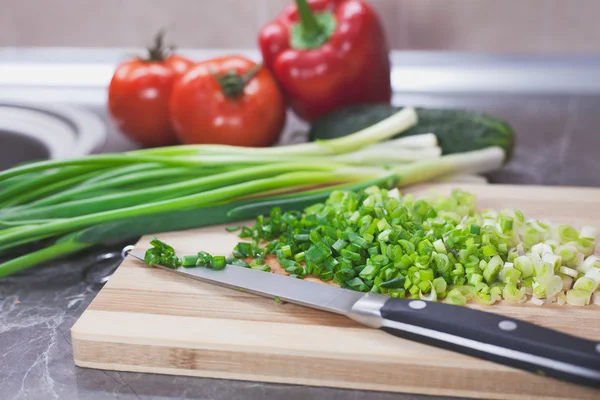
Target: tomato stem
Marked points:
158	52
232	83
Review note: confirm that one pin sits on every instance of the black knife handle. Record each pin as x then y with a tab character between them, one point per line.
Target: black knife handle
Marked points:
492	337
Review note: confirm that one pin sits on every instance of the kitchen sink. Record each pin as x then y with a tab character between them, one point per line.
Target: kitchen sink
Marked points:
33	132
16	148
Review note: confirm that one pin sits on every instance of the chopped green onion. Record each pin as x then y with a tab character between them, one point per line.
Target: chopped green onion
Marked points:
525	265
554	286
567	233
244	249
240	263
204	259
486	299
189	261
218	262
578	297
588	232
493	269
394	283
439	285
433	248
432	295
585	284
513	294
425	275
475	279
509	274
489	251
554	260
339	245
568	271
590	262
317	253
439	246
286	251
455	297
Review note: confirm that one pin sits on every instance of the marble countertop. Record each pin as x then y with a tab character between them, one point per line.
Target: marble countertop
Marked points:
557	142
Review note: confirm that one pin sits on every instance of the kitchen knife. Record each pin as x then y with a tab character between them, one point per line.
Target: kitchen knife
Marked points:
492	337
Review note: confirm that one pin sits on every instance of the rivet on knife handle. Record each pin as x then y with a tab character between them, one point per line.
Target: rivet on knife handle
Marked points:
489	336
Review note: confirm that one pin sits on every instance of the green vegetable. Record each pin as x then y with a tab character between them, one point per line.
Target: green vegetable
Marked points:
377	240
393	283
218	262
162	254
585	284
513	294
578	297
455	297
457	131
189	261
97	199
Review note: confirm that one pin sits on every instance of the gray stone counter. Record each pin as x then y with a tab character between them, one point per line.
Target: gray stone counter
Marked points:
557	144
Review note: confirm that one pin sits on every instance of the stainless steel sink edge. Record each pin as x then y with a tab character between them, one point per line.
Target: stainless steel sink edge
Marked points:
81	76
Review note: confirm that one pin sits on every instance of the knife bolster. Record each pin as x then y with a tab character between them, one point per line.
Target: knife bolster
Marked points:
367	310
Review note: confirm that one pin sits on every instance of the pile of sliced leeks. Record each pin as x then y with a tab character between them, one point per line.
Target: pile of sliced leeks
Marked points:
75	204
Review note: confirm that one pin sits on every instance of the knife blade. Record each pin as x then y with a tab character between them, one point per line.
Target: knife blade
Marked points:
503	340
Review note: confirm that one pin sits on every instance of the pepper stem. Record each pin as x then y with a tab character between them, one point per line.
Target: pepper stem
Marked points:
233	84
311	26
312	29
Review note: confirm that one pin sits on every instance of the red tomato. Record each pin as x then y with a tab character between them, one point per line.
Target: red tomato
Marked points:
228	100
178	64
139	92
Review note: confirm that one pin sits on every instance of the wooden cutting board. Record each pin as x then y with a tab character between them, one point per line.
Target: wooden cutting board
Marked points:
150	320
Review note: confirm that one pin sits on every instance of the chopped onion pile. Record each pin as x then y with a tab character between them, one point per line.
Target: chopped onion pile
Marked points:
435	248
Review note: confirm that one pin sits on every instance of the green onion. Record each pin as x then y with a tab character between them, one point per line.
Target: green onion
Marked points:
394	283
513	294
439	285
218	262
455	297
493	269
524	265
204	259
489	251
189	261
578	297
567	233
509	274
363	237
588	232
554	286
585	284
568	271
432	293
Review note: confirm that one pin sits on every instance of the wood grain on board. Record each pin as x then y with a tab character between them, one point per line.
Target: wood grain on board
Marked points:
150	320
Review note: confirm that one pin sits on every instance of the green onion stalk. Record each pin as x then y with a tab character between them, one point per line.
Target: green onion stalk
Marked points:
75	204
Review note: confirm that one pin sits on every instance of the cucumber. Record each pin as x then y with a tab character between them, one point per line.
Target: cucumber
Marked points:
457	130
